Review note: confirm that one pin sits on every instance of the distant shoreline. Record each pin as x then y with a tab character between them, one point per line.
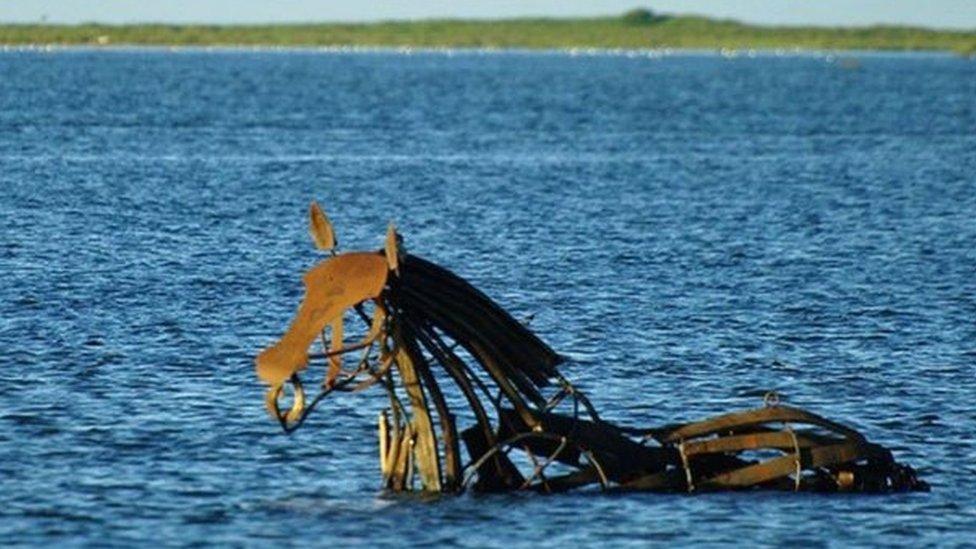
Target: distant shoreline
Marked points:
641	32
459	51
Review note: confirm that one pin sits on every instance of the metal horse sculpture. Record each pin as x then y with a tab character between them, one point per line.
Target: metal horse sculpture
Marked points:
523	425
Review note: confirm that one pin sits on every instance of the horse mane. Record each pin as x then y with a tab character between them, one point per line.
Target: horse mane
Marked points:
429	296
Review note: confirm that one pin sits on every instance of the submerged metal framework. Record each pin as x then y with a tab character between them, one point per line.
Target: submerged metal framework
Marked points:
460	371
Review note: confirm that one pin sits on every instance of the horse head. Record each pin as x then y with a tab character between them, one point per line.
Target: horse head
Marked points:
424	326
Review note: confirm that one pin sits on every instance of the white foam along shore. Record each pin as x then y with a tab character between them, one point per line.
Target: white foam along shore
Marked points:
652	53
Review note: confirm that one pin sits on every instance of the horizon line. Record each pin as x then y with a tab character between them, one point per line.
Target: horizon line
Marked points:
408	20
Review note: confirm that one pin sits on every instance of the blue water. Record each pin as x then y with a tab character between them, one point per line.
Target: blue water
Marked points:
690	230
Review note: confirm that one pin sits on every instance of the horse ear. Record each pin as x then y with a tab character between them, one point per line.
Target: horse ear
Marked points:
392	248
320	228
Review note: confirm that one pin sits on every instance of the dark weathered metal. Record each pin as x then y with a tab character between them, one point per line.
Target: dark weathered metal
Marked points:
517	401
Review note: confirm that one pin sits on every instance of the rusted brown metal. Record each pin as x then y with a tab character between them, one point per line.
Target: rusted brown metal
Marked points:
432	333
425	444
320	228
385	443
331	288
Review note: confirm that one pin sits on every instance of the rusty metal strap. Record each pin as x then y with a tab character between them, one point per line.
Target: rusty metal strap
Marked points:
783	466
751	441
755	417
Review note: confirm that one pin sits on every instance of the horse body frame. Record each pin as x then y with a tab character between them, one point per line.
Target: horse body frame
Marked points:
427	327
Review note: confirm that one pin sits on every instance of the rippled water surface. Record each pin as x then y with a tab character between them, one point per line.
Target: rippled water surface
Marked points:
690	230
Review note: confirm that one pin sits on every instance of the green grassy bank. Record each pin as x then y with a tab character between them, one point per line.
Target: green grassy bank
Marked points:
637	29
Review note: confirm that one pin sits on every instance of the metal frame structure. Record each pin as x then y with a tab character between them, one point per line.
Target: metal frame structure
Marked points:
523	426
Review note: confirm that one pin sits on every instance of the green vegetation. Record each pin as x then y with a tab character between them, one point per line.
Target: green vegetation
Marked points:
636	29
